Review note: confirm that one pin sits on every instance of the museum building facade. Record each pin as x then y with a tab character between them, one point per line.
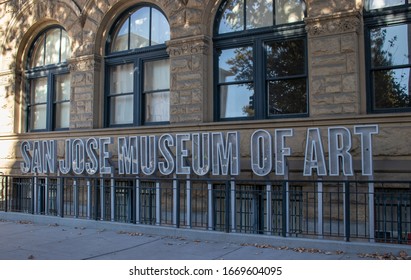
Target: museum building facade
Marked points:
272	117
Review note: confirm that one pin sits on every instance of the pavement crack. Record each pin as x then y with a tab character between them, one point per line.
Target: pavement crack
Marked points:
121	250
232	251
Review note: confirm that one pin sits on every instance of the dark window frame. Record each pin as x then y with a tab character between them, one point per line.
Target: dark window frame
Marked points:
381	18
257	38
138	57
49	72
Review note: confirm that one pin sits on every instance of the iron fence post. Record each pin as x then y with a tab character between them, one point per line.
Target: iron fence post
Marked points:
210	206
102	199
137	201
347	217
269	218
112	199
61	197
34	196
96	198
76	198
188	201
46	196
371	210
284	209
89	199
227	206
233	206
176	199
399	219
158	203
320	208
6	194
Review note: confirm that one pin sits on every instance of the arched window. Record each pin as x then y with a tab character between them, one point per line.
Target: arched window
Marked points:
138	69
260	60
388	55
48	81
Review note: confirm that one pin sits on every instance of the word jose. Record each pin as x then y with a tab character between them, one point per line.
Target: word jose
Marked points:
216	153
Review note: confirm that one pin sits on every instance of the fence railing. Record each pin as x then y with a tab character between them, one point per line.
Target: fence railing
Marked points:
378	211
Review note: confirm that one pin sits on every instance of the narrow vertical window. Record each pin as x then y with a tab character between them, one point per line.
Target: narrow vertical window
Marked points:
138	69
388	41
49	81
260	52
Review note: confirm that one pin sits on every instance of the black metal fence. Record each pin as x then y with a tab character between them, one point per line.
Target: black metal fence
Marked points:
377	211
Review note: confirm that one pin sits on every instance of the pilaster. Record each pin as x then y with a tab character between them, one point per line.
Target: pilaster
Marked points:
334	63
84	87
188	93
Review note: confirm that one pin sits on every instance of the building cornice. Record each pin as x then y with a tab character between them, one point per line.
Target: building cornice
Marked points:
337	23
188	46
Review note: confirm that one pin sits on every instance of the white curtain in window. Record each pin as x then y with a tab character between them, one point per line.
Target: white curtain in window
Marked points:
122	109
39	90
62	83
121	79
39	117
63	115
62	96
122	91
38	106
157	75
157	78
158	107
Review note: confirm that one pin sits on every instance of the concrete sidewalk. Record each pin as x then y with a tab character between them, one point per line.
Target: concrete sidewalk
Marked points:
25	237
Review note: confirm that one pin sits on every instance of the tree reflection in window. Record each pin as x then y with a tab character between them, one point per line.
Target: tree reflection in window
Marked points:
390	65
266	76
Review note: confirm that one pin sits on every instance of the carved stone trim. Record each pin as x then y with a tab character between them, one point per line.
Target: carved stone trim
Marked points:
7	77
334	24
84	63
188	46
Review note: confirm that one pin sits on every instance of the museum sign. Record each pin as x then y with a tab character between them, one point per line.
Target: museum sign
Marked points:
206	153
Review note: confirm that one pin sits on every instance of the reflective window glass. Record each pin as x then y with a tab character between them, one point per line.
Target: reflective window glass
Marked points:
49	85
236	100
139	87
390	45
265	75
236	64
144	27
389	61
379	4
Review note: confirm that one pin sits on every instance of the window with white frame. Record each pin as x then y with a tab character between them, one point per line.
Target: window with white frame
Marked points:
138	69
